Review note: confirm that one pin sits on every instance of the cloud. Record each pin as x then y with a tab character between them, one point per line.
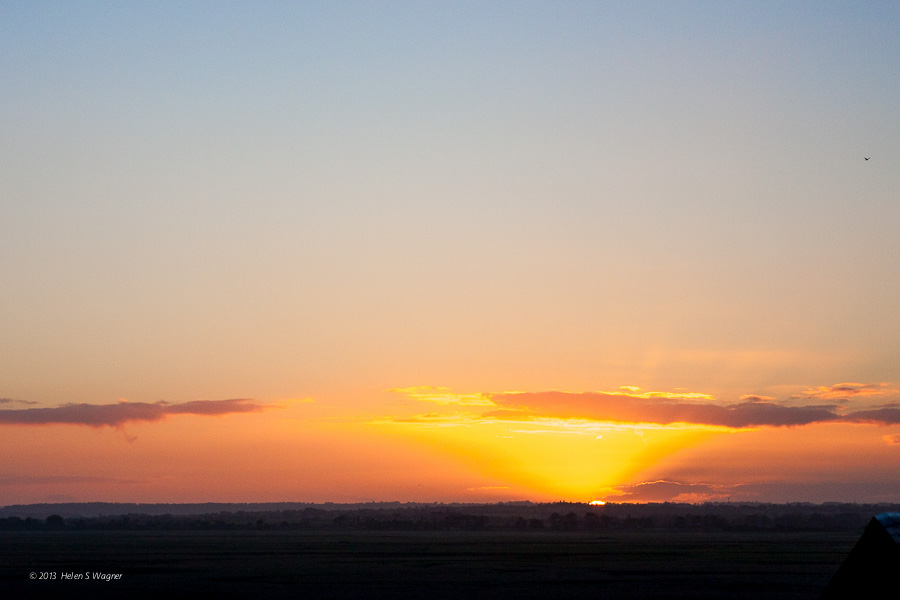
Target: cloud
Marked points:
656	408
880	416
509	414
843	391
442	395
670	491
115	415
631	405
674	490
756	398
12	400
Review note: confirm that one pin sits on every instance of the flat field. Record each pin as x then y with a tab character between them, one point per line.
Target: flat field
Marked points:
433	565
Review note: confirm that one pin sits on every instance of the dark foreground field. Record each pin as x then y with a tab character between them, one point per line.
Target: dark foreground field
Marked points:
433	565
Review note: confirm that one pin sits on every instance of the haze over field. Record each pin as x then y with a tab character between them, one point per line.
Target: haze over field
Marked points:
458	251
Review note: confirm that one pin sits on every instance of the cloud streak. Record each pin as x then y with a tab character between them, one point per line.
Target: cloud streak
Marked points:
631	405
116	415
672	491
13	401
667	409
442	395
844	391
604	406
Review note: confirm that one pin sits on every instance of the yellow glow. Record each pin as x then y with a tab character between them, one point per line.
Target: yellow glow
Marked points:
563	458
635	392
443	395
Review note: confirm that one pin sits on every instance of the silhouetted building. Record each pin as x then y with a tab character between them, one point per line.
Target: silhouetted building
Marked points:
870	570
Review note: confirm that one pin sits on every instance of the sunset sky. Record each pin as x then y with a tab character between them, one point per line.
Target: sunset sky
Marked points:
449	251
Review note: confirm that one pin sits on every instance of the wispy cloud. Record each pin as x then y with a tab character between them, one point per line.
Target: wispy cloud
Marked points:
885	415
14	401
844	391
442	395
672	491
624	407
115	415
631	405
757	398
779	490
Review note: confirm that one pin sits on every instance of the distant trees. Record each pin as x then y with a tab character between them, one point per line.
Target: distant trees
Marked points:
18	524
567	522
593	522
55	523
523	524
555	517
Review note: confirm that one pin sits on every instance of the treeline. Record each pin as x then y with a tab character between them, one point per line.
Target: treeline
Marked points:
515	516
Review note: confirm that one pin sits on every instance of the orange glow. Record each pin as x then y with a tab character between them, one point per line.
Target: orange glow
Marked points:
467	447
556	458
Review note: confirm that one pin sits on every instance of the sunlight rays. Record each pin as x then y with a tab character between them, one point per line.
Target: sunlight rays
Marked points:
572	459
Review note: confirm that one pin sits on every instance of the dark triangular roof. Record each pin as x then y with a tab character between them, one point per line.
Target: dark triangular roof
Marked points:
891	524
871	566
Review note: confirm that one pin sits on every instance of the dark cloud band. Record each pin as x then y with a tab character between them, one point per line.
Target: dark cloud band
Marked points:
98	415
601	406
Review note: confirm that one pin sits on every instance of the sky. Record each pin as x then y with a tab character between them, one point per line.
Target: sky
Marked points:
449	251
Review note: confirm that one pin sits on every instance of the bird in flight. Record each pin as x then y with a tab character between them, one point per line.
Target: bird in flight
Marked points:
866	157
